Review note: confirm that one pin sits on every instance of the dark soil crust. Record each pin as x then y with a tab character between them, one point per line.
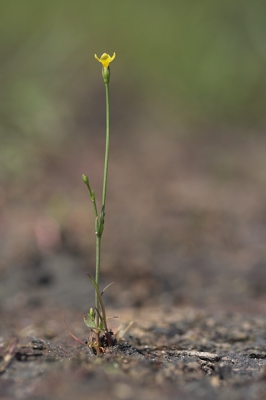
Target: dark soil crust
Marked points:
181	353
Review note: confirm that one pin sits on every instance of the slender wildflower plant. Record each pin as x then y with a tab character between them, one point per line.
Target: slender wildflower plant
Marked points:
96	318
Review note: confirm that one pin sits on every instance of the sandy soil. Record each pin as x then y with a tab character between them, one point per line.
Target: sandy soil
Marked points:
185	246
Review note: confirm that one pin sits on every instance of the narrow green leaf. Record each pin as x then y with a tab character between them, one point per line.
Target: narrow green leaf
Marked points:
89	322
103	317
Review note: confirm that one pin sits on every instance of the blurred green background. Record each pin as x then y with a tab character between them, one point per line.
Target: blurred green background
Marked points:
185	63
187	163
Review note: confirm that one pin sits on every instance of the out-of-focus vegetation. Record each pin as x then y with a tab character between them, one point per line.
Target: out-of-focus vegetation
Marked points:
177	62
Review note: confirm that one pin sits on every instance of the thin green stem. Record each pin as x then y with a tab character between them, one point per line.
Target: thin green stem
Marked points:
97	275
95	207
101	222
92	195
107	144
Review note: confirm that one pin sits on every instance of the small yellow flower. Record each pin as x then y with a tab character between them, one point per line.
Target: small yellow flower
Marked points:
105	59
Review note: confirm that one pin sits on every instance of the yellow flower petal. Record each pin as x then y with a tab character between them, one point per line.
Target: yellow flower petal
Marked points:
105	59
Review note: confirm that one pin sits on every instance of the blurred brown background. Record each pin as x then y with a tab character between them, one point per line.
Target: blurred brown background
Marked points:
186	201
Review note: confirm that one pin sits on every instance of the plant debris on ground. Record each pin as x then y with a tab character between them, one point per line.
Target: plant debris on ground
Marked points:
188	354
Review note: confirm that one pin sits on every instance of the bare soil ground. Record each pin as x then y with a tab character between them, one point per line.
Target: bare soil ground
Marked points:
185	245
